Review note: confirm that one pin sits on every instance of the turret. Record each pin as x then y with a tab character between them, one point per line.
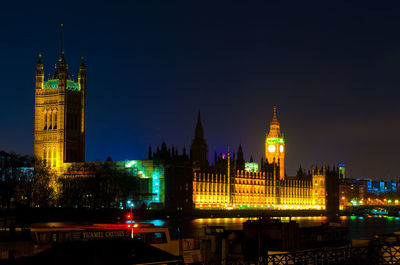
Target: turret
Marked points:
82	75
150	157
62	72
39	78
198	149
240	158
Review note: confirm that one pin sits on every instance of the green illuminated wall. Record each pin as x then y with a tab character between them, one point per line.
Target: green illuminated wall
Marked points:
53	84
151	178
251	167
275	140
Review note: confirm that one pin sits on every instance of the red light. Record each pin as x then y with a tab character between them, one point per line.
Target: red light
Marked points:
128	216
129	226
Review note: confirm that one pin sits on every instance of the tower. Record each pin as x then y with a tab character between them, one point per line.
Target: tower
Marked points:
60	115
198	150
275	145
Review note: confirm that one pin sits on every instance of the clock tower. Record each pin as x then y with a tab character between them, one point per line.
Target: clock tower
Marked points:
275	145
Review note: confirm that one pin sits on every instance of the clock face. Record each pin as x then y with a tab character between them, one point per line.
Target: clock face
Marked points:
281	148
271	148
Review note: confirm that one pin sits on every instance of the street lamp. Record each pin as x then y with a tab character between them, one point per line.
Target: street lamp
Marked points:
131	219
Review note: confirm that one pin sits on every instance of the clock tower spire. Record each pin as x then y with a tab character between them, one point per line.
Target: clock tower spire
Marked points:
275	145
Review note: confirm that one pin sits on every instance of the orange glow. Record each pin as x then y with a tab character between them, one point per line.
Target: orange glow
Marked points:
256	190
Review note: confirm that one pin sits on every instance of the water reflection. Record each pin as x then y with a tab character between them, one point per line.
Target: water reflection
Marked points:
359	227
155	222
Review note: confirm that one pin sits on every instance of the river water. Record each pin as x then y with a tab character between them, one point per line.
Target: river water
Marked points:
359	227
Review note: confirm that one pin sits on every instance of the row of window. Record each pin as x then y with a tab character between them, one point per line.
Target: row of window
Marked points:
249	182
50	120
320	183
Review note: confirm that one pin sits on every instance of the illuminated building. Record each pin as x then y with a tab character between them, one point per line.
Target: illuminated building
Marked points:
151	175
165	179
235	184
60	115
254	190
275	145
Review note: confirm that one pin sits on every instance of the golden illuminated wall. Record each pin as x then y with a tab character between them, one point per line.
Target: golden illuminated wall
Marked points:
319	189
60	105
211	190
258	190
249	189
296	194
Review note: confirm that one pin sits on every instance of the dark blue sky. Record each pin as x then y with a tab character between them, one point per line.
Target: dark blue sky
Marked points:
332	70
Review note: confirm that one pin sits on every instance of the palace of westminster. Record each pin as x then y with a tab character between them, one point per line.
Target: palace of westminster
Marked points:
170	179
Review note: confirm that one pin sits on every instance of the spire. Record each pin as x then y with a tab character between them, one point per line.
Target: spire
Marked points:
198	117
39	66
62	40
62	63
40	59
240	158
274	129
150	157
274	118
199	133
82	62
198	149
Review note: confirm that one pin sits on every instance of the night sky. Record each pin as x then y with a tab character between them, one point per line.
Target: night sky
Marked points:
332	70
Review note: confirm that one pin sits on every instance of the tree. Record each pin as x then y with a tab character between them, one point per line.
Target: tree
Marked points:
105	189
44	185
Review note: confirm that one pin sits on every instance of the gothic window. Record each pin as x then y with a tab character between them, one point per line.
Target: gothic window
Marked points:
48	160
50	119
45	121
44	156
55	119
54	157
322	183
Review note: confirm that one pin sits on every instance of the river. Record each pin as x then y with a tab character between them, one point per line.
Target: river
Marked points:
359	227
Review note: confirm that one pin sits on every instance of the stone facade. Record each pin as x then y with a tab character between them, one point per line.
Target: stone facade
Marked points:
60	115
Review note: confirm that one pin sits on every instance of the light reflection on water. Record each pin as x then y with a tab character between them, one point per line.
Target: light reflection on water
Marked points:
359	227
236	223
155	222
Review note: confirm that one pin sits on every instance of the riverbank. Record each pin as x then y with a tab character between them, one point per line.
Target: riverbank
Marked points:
26	216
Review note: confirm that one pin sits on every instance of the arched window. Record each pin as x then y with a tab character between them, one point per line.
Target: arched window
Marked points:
44	156
49	120
54	158
55	119
45	121
49	158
